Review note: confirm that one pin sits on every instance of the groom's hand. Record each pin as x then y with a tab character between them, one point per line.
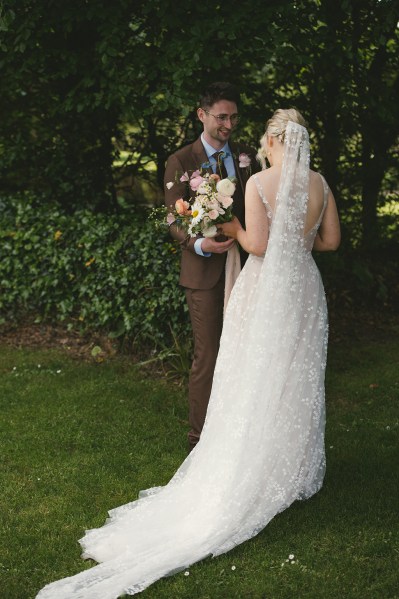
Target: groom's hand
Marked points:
209	244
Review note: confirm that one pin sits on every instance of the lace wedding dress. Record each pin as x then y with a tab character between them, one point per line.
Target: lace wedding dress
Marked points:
262	446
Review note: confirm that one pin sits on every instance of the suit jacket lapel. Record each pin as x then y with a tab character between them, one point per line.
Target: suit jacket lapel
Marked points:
200	156
239	171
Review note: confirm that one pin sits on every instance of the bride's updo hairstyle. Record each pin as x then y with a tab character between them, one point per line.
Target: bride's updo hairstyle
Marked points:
276	126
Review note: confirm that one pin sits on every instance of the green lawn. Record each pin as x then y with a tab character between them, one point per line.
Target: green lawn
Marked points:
77	439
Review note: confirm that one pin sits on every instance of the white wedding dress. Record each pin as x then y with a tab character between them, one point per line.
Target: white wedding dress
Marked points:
262	446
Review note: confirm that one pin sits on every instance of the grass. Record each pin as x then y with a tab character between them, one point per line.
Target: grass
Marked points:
77	439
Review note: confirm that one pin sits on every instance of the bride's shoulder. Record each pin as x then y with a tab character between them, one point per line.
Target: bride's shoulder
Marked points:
267	176
315	175
264	174
318	186
316	179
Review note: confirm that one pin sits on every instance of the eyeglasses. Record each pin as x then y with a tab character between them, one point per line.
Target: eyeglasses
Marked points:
221	119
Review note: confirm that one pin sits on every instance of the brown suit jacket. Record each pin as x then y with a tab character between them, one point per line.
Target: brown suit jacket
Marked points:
198	272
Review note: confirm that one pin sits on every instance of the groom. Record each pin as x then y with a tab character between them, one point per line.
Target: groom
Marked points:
202	272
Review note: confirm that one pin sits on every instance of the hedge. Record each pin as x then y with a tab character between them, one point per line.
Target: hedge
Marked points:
111	272
118	274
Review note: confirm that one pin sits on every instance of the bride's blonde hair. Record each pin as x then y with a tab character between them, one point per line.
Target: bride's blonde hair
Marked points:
276	127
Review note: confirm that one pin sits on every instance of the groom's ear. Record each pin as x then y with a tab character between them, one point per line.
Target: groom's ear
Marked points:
201	114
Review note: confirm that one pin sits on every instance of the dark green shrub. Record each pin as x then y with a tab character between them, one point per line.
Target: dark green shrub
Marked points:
114	273
118	274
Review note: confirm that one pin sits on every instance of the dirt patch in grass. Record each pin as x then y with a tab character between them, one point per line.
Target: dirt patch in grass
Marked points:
345	326
46	336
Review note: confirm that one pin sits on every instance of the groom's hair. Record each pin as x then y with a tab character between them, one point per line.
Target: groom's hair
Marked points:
220	90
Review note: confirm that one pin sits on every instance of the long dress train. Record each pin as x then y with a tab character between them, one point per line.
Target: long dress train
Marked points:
262	446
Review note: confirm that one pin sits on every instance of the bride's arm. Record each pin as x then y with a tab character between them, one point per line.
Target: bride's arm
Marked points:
328	236
253	239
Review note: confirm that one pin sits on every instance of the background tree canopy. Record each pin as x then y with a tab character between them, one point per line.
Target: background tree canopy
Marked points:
96	95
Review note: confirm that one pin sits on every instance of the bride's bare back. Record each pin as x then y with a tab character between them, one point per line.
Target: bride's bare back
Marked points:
255	237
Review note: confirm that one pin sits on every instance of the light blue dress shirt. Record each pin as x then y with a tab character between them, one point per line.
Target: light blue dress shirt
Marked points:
229	164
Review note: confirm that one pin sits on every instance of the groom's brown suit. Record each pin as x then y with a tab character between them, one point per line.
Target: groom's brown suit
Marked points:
202	277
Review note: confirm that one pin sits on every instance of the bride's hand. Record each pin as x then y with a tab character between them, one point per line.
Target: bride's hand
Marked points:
230	229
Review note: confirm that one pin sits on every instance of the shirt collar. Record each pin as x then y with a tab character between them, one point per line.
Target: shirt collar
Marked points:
210	150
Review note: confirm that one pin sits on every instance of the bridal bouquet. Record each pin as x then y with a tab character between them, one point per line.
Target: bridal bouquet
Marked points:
211	205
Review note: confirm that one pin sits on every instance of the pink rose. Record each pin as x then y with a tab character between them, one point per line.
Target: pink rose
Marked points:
182	207
244	160
196	173
213	214
184	177
170	218
195	182
226	201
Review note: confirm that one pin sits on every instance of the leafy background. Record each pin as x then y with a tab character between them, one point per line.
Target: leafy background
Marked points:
96	96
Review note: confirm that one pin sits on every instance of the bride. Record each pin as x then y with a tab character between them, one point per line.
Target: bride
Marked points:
262	446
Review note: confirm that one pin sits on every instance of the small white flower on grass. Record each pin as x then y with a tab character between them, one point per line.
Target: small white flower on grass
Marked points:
233	567
293	561
14	368
331	446
59	371
39	365
186	573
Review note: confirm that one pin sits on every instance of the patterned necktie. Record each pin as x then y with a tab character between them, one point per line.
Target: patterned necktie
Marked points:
220	167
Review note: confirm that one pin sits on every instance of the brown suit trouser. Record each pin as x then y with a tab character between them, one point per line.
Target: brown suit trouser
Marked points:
206	313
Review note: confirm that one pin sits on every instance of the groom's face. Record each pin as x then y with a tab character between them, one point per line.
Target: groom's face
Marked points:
217	123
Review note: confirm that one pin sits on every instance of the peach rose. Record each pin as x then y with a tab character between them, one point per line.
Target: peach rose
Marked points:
182	207
214	177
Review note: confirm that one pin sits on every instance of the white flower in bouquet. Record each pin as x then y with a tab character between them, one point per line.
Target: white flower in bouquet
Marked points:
204	188
226	187
197	213
212	204
210	231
